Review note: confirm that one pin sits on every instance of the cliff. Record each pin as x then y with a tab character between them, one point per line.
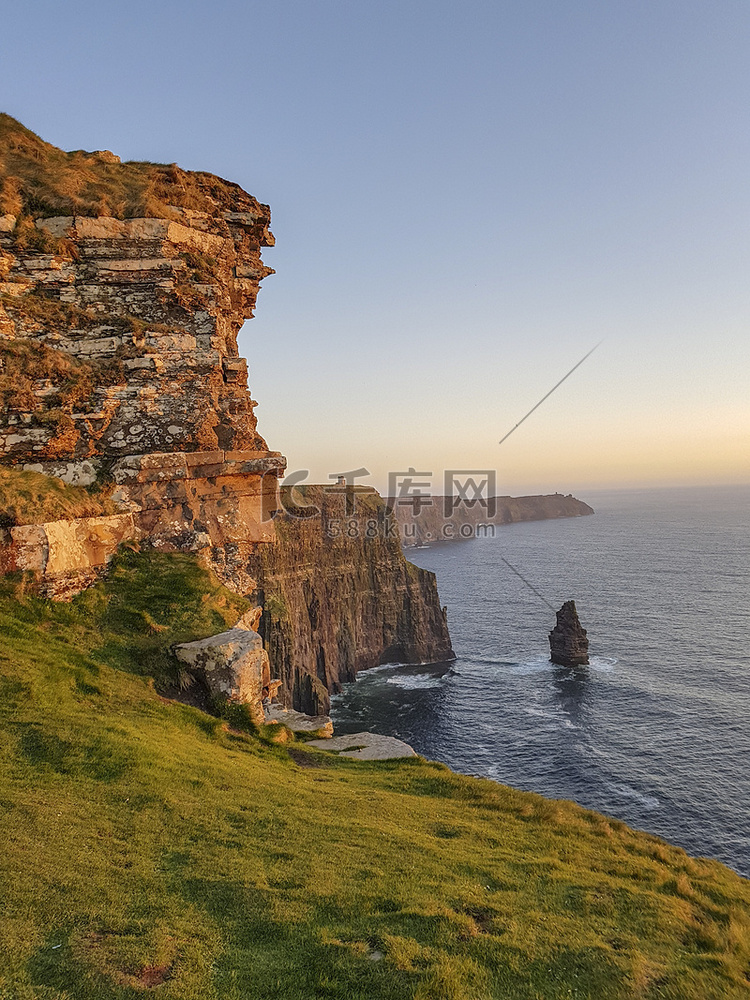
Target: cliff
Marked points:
340	597
436	519
122	289
120	309
148	844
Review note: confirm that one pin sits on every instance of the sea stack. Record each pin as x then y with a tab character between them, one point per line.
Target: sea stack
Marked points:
567	641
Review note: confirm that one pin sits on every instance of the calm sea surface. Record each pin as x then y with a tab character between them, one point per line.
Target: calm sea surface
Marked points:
656	731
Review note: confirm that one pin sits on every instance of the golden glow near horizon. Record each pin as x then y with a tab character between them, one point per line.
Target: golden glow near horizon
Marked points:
543	468
618	423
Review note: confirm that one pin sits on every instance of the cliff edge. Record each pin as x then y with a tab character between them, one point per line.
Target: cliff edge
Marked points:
340	596
122	290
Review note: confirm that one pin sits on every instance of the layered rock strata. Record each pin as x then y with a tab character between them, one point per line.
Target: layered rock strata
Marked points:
339	596
216	504
568	642
123	340
122	289
118	357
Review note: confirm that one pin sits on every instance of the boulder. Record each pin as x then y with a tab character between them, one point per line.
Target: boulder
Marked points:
314	725
234	666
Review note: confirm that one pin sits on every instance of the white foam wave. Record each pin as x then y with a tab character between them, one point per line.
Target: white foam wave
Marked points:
627	792
533	666
413	682
379	669
605	664
557	717
541	713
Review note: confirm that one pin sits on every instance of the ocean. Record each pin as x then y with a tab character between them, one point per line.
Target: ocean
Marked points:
656	730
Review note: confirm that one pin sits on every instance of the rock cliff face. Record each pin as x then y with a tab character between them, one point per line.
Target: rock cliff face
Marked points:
118	353
340	597
568	642
122	289
120	334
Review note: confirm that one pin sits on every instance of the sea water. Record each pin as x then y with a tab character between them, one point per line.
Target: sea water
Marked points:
656	730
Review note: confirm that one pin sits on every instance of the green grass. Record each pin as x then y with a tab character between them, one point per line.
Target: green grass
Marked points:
148	848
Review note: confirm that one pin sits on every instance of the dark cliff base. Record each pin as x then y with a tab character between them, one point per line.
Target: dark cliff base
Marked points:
434	519
339	596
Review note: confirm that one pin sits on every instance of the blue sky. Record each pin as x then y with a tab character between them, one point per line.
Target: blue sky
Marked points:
466	199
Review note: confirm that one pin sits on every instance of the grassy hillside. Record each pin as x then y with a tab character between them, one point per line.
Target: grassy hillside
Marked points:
147	849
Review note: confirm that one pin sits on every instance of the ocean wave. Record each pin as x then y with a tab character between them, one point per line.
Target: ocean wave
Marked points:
541	713
413	682
605	664
627	792
533	666
380	668
558	717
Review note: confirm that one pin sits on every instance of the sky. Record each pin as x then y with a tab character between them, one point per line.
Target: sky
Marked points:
466	199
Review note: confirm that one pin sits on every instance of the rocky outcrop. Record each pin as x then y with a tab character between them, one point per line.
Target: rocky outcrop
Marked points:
340	597
118	356
568	642
366	746
123	341
216	504
122	290
426	520
65	557
311	725
232	665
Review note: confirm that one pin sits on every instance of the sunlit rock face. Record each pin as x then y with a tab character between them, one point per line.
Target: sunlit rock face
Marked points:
123	287
123	340
233	665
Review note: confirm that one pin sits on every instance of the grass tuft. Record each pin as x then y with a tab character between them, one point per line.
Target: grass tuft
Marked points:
33	498
37	179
